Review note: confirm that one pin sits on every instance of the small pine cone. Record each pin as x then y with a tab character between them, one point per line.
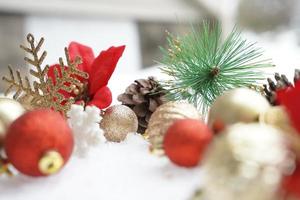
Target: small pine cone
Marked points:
143	97
281	82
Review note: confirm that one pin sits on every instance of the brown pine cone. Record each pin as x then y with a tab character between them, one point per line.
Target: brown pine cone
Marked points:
281	82
143	97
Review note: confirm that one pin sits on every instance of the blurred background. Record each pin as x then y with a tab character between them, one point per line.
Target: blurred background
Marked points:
141	25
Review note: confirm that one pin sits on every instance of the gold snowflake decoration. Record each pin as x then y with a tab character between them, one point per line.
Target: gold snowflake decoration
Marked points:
45	92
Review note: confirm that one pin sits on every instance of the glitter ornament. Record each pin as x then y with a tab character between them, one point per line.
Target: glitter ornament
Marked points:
39	143
164	117
185	142
9	111
278	117
117	122
239	164
237	105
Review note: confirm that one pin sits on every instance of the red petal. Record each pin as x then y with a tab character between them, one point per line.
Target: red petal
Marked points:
292	183
85	53
103	67
50	72
51	75
290	99
102	98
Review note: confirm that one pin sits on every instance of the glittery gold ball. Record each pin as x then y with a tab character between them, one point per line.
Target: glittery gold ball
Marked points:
117	122
164	117
246	162
10	110
278	117
237	105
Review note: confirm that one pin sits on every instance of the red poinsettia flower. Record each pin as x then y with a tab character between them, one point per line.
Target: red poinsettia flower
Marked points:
291	184
290	99
99	69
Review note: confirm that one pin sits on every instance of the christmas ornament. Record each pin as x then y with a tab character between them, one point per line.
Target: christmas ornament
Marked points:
39	142
94	90
9	111
117	122
290	98
4	167
239	164
201	67
281	82
185	142
143	97
164	117
278	117
237	105
45	92
85	126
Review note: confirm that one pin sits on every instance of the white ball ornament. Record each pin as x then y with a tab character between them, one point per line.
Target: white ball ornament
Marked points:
237	105
246	162
10	110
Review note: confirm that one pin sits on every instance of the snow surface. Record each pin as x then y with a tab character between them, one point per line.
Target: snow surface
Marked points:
111	171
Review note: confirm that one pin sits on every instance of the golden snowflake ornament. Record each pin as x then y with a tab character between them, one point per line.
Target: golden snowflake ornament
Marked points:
46	92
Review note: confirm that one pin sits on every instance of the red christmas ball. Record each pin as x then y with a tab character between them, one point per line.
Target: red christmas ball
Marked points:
185	142
39	142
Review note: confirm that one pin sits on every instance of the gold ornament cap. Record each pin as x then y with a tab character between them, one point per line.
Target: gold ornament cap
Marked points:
51	162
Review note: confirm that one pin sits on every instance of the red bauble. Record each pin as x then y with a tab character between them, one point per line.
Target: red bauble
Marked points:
34	135
185	142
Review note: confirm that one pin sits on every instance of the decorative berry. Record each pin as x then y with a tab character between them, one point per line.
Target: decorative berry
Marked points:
186	141
39	142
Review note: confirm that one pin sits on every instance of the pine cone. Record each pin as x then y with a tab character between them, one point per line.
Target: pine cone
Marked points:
281	82
143	97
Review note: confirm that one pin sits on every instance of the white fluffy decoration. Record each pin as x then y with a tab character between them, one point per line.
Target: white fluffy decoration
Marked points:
85	126
110	171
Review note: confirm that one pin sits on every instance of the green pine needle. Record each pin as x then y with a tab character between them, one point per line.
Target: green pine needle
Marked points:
202	66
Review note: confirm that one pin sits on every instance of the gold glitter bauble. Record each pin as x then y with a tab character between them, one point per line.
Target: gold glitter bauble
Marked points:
10	110
117	122
278	117
237	105
163	118
246	162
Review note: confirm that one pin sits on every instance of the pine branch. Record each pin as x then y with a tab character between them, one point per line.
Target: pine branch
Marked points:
201	66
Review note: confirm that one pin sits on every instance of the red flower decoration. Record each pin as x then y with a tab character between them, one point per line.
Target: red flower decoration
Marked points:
291	184
99	69
290	99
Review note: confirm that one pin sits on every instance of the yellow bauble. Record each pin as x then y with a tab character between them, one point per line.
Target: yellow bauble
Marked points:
10	110
117	122
164	117
237	105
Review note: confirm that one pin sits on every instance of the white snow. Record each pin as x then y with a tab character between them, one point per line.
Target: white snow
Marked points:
111	171
85	125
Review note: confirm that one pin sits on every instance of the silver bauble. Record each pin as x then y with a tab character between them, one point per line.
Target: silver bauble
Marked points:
10	110
237	105
246	162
